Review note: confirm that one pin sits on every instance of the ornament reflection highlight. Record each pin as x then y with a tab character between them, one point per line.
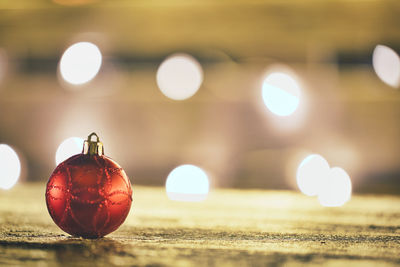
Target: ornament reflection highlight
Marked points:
187	183
10	167
311	173
80	63
281	93
386	63
69	147
336	189
179	76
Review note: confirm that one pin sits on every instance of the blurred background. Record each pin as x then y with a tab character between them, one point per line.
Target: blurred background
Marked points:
342	55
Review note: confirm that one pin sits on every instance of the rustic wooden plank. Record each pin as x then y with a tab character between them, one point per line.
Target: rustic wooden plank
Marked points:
232	227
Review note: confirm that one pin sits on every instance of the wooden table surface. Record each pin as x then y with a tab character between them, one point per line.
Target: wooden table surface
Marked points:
230	228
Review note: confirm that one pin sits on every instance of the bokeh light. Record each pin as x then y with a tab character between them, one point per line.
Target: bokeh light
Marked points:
69	147
80	63
187	183
311	174
10	167
386	63
281	93
336	189
179	76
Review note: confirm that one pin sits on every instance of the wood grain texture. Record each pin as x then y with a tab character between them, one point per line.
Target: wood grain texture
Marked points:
230	228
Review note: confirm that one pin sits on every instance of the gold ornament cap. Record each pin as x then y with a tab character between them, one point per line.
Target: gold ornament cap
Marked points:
93	147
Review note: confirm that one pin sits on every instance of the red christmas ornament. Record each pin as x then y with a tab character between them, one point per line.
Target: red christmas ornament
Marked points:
89	194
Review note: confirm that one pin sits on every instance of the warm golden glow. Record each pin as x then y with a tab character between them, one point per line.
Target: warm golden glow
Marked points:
187	183
80	63
10	167
179	76
386	63
74	2
3	63
69	147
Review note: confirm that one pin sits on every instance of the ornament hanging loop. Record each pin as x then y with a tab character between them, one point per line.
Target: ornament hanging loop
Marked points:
93	147
93	134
